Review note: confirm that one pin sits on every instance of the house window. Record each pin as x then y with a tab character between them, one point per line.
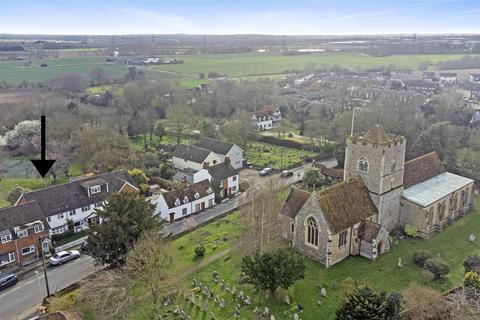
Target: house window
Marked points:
234	178
184	211
7	258
214	161
312	232
6	238
177	203
49	219
98	205
22	233
197	207
58	230
28	250
342	238
60	216
95	189
363	165
38	228
210	202
71	212
196	195
185	200
85	208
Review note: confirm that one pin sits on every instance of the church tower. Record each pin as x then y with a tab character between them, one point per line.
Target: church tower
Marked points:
379	159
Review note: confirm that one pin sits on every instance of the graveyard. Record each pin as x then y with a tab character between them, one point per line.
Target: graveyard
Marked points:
213	288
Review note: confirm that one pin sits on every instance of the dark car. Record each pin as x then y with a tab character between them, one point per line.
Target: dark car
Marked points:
266	172
7	280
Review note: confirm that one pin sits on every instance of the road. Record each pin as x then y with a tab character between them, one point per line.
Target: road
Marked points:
21	300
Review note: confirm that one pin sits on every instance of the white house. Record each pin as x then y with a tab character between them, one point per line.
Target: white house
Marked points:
189	176
77	201
448	77
228	178
267	119
180	203
194	158
225	150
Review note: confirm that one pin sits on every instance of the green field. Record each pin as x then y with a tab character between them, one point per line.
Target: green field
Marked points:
276	157
245	65
6	185
15	71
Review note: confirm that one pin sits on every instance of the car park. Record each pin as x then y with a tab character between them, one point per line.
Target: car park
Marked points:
63	256
266	171
7	280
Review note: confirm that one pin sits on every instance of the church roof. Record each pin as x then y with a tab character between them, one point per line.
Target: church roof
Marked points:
346	204
295	201
421	169
368	230
377	135
430	191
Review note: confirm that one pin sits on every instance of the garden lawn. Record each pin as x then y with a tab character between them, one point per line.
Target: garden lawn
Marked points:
276	157
6	185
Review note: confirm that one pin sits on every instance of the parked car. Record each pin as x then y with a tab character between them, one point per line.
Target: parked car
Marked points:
266	171
286	174
7	280
64	256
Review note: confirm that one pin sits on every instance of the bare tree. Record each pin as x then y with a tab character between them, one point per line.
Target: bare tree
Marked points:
179	119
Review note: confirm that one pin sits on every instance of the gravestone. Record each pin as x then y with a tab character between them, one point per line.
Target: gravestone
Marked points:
287	299
471	238
323	292
400	263
222	304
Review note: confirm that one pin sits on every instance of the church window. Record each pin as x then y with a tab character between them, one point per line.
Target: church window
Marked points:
312	232
393	167
363	165
342	238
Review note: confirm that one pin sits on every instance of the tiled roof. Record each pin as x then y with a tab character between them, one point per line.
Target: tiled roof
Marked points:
191	153
217	146
222	171
368	230
72	195
201	187
346	204
329	172
295	201
20	215
422	168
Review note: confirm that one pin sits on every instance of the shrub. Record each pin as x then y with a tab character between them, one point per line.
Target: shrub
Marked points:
410	230
15	193
363	304
420	257
472	281
472	263
138	175
200	251
394	305
437	267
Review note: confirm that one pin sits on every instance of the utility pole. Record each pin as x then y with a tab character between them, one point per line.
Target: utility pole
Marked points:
44	267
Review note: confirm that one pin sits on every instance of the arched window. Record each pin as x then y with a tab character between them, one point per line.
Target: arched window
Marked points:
362	165
312	232
393	167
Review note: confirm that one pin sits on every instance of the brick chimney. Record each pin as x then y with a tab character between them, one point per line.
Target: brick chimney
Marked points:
228	161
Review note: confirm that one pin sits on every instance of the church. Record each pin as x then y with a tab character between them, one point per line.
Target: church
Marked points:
380	192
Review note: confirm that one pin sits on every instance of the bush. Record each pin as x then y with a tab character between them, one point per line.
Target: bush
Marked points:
472	281
437	267
420	257
200	251
15	193
472	263
138	175
410	230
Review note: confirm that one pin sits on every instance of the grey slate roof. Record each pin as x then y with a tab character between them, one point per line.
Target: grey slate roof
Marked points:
191	153
201	187
217	146
17	216
222	171
72	195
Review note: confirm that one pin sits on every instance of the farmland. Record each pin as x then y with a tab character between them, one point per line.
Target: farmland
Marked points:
245	65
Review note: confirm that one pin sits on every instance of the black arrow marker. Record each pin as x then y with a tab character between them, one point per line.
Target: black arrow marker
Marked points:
42	165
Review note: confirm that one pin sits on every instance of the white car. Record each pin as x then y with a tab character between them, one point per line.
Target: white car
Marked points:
63	256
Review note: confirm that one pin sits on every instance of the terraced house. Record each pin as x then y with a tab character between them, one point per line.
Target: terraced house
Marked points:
380	192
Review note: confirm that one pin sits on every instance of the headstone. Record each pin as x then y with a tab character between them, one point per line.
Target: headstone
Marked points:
248	301
266	312
295	316
323	292
240	295
319	302
287	299
272	317
400	263
192	298
471	238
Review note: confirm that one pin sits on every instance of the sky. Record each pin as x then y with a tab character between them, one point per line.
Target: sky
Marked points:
278	17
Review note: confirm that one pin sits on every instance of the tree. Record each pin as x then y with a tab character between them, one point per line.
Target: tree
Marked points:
239	130
97	76
15	193
150	263
313	177
22	134
364	303
437	267
159	131
208	129
125	217
68	84
472	281
394	306
179	119
271	270
426	303
472	263
138	175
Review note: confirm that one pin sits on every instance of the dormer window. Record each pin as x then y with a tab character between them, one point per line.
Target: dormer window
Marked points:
197	195
185	199
5	238
177	202
39	228
95	189
22	233
209	190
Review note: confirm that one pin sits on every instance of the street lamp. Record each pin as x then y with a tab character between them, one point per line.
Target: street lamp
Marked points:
44	243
